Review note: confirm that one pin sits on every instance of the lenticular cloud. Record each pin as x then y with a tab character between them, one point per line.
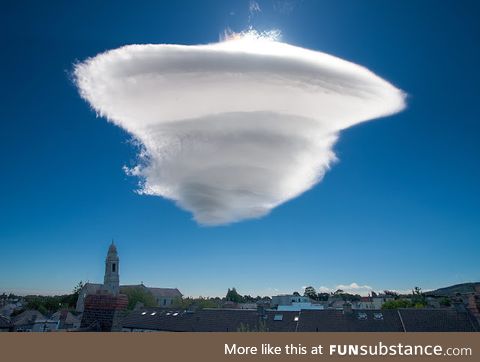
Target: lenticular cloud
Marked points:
233	129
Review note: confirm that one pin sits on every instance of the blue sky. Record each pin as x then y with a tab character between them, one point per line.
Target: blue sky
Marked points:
399	209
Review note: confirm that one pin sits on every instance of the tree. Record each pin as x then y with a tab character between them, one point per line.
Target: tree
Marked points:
297	294
323	297
78	288
418	298
70	301
196	303
445	302
139	294
233	296
390	293
310	292
399	303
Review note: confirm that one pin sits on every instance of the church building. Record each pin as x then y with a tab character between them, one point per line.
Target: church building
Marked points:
164	297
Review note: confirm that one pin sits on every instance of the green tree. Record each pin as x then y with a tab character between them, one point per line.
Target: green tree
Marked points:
399	303
196	303
139	294
203	303
233	296
182	303
310	292
445	302
390	293
323	297
418	298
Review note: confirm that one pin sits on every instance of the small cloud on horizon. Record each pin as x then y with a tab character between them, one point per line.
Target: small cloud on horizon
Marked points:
352	288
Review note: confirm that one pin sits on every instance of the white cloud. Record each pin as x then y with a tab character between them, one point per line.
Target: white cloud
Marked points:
254	7
323	289
233	129
354	288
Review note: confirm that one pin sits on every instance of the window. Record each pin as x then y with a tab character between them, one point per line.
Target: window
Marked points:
362	316
378	316
278	317
113	267
164	302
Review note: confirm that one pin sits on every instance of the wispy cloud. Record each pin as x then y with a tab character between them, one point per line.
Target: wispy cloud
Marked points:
233	129
253	7
285	6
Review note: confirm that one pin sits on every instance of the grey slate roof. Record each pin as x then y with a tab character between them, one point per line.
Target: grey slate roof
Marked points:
91	288
206	320
165	292
430	320
156	292
230	320
331	320
4	322
27	317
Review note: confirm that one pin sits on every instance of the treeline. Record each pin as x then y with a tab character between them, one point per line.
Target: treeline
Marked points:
48	304
311	293
145	298
417	299
216	302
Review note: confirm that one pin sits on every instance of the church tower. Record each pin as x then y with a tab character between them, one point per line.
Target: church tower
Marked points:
111	281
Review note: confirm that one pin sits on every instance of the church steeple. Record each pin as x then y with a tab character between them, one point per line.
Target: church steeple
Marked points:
111	281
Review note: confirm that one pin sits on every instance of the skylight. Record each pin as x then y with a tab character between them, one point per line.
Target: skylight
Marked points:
362	316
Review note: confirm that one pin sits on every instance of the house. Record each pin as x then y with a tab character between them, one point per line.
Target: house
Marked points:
288	299
5	325
66	319
33	321
369	303
209	320
328	320
163	296
10	305
298	306
247	306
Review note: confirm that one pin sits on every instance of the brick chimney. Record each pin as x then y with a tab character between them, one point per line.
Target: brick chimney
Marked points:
105	311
